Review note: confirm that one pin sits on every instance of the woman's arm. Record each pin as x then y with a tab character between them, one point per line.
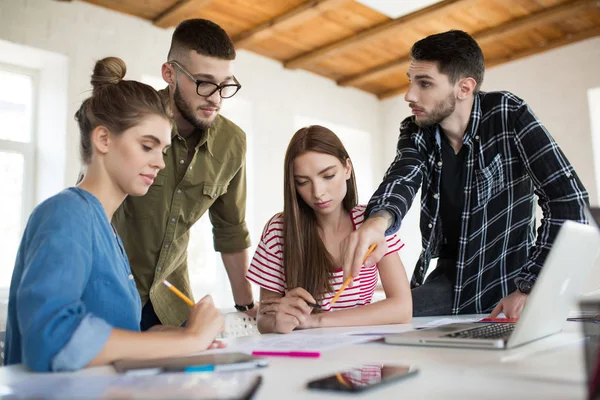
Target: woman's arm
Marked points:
204	324
396	308
283	314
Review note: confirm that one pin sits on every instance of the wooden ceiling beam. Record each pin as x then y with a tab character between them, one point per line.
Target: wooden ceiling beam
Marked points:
179	12
564	10
543	46
288	20
434	11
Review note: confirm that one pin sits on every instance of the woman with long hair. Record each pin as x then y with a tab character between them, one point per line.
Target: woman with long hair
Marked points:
73	301
298	263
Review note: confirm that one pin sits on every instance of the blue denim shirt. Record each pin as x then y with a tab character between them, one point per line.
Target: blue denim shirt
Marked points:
70	287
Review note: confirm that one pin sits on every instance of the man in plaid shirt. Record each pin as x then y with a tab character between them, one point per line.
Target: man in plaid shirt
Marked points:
479	160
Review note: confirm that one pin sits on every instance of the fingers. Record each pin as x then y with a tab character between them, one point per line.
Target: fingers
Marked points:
301	293
217	344
497	310
286	323
269	308
377	254
206	300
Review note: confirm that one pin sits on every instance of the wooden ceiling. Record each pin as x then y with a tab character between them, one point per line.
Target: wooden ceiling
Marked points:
356	46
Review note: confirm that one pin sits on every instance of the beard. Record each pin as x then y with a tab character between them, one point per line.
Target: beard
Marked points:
188	114
442	110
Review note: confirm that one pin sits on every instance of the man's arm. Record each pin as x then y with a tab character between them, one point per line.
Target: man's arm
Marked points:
401	182
387	207
231	236
236	265
561	194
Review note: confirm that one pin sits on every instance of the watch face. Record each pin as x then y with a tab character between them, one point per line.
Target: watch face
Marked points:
525	287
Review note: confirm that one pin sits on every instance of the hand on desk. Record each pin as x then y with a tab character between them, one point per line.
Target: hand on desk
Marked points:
290	311
252	312
511	305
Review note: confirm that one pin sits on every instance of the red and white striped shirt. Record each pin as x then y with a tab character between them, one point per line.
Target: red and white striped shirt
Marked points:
267	270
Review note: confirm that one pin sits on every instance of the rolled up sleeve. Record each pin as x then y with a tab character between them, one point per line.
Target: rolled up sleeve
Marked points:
86	342
228	216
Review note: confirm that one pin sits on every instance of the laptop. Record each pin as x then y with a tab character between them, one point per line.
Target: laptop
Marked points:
567	266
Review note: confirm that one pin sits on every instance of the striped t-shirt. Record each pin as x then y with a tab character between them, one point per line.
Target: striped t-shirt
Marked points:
267	271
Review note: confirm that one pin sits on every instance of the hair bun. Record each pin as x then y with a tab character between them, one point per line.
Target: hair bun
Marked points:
108	71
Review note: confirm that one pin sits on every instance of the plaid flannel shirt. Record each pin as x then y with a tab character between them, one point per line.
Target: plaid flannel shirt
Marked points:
511	156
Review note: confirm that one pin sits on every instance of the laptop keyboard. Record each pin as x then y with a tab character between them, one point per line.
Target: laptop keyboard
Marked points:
492	331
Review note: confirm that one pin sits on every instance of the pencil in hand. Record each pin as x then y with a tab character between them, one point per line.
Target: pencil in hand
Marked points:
349	279
178	293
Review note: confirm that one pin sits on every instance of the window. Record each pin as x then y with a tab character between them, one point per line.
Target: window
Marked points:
594	103
17	161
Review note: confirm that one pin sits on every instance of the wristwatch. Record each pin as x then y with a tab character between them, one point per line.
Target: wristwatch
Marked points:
524	286
244	308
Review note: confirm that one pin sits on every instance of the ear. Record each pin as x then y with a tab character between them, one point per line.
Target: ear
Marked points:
168	73
101	139
348	169
466	86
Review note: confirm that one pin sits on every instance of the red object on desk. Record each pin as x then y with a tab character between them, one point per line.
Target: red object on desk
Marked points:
302	354
505	320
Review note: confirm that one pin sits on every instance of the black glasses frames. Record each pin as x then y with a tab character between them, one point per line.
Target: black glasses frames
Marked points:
207	88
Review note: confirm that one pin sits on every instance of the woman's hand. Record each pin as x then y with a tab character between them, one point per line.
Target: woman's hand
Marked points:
290	311
204	323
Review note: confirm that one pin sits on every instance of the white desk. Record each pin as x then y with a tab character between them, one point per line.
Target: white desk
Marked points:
551	368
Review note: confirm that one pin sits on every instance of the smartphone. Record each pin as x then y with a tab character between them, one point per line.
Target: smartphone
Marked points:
364	377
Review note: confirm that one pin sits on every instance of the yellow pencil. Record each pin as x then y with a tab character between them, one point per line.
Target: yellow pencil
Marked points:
178	293
349	279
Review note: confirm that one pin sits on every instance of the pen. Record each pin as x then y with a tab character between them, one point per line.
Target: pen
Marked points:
300	354
313	305
349	279
178	293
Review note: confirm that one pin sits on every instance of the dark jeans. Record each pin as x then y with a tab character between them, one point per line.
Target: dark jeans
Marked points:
149	317
434	297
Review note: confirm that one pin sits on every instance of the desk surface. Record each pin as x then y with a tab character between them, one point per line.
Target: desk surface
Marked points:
550	368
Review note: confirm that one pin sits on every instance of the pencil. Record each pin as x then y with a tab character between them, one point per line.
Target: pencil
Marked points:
349	279
178	293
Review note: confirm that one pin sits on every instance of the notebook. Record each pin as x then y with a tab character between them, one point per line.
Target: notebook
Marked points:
205	362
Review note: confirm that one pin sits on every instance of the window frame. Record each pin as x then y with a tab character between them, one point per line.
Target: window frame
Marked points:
27	149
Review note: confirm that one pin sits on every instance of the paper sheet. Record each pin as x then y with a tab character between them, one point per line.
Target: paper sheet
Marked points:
296	342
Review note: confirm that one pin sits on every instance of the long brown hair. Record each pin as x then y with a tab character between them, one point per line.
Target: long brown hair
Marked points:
307	262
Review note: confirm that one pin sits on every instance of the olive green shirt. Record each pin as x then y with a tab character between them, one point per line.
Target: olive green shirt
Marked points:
155	228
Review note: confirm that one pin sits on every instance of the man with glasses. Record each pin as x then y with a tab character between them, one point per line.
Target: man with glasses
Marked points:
205	171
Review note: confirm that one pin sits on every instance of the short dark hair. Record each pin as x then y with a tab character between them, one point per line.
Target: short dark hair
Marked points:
203	36
457	54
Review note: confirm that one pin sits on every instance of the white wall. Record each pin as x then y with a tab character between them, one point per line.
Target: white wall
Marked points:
276	97
555	84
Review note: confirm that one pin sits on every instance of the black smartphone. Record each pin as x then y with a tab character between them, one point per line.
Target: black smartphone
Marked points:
364	377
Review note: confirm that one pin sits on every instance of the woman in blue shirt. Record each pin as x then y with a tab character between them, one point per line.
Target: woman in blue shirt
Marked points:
73	301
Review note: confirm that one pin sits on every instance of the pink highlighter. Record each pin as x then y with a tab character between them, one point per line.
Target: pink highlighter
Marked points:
299	354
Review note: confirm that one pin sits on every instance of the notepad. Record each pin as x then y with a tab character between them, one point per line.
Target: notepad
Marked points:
207	362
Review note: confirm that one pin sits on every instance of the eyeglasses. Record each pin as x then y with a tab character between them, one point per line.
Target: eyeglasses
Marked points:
207	88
